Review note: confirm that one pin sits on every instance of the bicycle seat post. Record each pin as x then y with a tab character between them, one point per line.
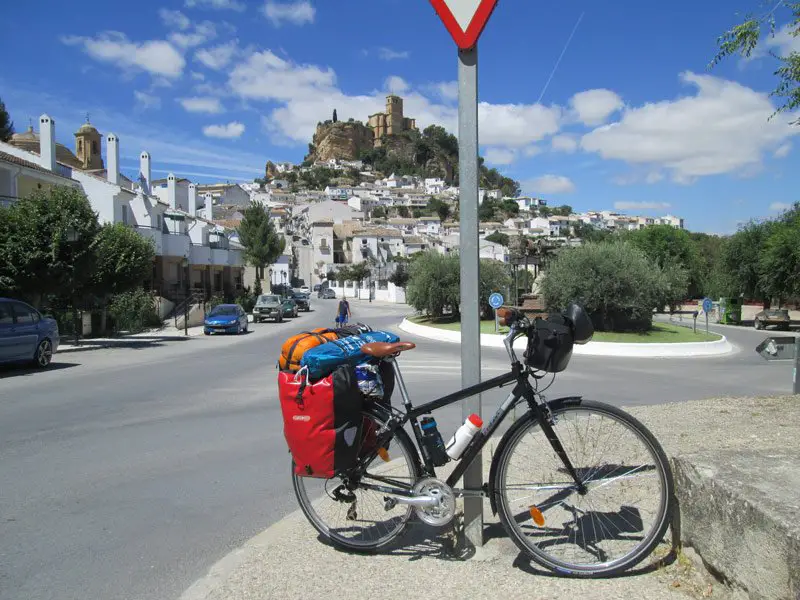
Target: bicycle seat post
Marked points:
400	382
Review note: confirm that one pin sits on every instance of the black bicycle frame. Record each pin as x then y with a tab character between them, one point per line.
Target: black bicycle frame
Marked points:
522	390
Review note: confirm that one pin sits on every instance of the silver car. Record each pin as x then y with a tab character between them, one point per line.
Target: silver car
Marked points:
268	306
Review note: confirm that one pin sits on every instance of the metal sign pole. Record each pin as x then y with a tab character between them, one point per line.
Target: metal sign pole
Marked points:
795	382
470	292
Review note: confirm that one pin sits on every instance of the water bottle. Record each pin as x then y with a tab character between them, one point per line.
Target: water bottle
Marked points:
463	436
433	441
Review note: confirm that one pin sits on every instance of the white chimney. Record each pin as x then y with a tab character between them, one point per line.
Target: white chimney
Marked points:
209	207
112	159
47	142
192	199
172	192
144	171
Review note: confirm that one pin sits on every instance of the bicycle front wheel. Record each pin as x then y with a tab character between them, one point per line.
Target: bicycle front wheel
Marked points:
622	512
351	517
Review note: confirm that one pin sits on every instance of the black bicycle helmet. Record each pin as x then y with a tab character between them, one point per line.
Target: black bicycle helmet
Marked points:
582	328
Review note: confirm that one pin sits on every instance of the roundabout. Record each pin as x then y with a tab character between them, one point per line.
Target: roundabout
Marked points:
718	347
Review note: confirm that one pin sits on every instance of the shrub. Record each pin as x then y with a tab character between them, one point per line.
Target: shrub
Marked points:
616	283
215	300
133	311
434	284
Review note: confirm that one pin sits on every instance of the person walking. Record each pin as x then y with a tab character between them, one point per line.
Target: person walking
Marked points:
343	312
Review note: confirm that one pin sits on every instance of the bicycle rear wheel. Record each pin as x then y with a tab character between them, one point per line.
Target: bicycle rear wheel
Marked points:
624	512
351	517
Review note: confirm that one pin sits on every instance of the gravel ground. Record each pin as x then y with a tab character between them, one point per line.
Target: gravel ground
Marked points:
287	560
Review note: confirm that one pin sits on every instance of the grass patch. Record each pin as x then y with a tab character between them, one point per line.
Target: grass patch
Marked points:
660	333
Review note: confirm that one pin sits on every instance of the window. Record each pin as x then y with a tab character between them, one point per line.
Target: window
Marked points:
383	284
124	214
94	147
25	314
6	318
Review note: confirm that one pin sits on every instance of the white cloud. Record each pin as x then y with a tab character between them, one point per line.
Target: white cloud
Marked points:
174	18
564	143
640	177
218	57
500	156
549	184
203	33
396	85
446	90
783	150
642	205
232	130
653	177
146	101
202	104
295	13
593	107
157	57
215	4
532	150
723	128
784	43
779	207
389	54
198	76
307	93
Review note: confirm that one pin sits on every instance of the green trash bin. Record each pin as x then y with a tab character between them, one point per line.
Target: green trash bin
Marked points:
730	311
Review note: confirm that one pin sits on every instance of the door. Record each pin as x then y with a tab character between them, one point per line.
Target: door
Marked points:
8	334
27	329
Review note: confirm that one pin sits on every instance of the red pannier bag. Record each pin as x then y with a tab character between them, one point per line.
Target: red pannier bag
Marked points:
322	421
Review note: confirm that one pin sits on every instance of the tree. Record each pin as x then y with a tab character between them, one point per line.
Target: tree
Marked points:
669	246
6	124
545	211
743	39
434	283
358	272
438	207
47	246
379	212
335	116
262	243
739	260
403	211
487	209
401	276
124	260
589	233
617	284
510	207
564	210
498	238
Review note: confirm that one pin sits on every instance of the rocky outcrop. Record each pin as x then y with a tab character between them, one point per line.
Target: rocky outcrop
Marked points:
272	172
341	140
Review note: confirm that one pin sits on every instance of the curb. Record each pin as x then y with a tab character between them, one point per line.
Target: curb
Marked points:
102	343
620	350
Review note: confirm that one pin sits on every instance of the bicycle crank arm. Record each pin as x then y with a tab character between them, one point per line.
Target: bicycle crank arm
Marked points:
400	497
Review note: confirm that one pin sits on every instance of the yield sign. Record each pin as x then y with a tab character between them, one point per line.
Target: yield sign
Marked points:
464	19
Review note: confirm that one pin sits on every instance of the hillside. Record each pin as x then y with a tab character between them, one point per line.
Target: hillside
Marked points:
430	153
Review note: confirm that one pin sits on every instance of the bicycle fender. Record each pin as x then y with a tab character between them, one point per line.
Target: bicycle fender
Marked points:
505	440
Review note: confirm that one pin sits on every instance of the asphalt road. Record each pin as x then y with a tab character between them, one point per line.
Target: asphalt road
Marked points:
127	473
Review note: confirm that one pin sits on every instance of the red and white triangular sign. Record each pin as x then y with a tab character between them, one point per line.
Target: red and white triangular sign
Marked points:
464	19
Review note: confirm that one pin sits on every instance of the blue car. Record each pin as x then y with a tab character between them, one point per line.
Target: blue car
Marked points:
226	318
26	335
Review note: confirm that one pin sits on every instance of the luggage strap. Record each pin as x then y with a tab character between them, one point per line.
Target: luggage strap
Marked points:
299	339
303	384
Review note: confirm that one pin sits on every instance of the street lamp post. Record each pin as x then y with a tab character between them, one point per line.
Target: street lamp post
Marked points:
185	265
270	280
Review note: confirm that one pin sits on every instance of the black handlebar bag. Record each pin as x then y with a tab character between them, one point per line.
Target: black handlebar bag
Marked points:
550	345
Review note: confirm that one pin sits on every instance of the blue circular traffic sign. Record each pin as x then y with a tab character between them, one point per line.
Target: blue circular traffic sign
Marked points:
496	300
707	305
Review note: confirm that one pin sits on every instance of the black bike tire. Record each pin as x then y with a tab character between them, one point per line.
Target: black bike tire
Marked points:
401	438
542	558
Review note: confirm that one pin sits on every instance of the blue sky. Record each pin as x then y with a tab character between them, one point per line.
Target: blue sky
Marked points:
631	119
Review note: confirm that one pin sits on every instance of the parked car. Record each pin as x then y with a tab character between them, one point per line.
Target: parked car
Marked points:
226	318
302	300
317	287
26	335
779	317
268	306
305	289
290	307
326	294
